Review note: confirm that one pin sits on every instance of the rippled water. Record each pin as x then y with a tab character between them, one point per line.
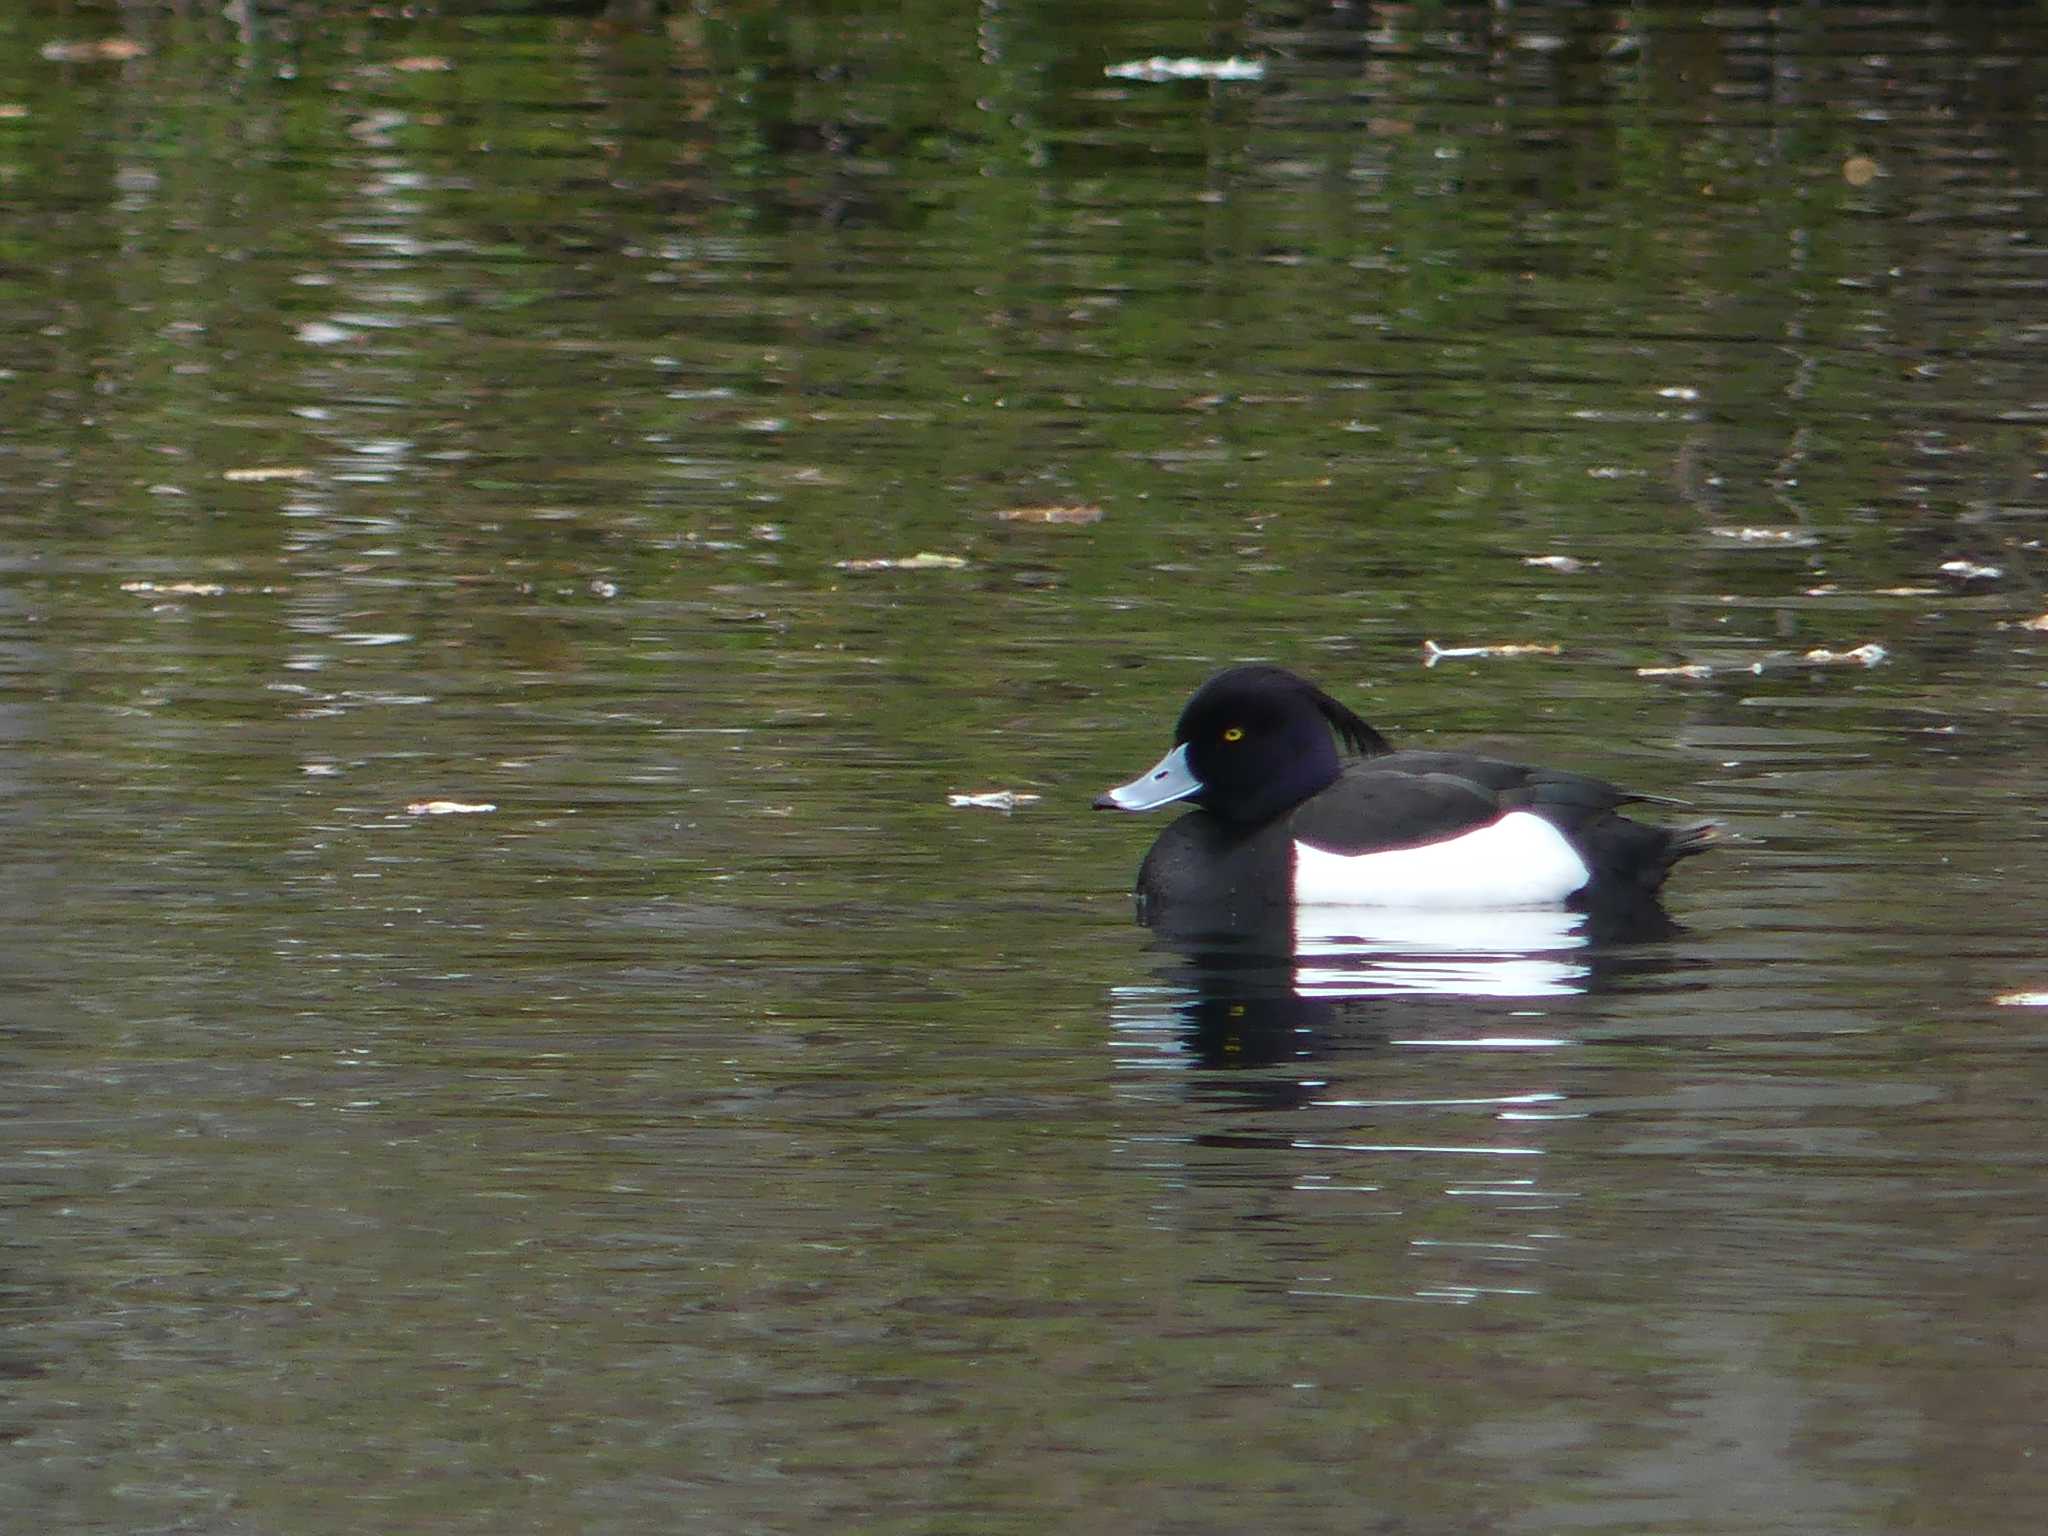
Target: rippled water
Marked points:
506	1031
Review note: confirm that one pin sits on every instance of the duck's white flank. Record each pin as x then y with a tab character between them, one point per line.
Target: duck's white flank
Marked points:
1520	860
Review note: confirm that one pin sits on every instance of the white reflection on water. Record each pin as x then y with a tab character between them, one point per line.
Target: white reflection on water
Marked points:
1377	952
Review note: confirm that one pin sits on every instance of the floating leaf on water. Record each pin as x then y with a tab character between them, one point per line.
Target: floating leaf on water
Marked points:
96	50
923	560
258	472
422	64
1765	535
1004	800
1432	653
2022	999
1859	170
449	808
1694	670
10	110
1970	570
176	588
1569	565
2040	623
1862	656
1078	512
1159	68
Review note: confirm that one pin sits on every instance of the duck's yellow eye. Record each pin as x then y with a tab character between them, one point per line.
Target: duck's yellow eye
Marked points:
1235	733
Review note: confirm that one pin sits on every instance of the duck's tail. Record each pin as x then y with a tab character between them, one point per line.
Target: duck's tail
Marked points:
1631	859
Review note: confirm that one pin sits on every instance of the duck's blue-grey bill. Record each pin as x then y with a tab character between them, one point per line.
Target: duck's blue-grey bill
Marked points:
1169	780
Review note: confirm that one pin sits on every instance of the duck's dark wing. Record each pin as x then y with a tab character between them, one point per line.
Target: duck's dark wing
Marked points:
1411	799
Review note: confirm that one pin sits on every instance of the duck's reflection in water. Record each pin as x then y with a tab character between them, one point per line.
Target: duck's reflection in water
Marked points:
1349	952
1373	1105
1356	978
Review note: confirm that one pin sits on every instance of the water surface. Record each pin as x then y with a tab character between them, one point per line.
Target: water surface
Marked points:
496	405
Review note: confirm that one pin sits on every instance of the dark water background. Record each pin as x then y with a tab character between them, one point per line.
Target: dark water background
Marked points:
725	1133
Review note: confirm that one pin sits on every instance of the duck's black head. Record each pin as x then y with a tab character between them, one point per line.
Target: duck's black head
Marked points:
1251	743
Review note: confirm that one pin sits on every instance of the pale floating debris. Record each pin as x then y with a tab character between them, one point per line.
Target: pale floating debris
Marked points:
10	110
422	64
375	127
923	560
259	472
1862	656
99	50
1765	535
1569	565
1970	570
449	808
2040	623
176	588
318	333
1907	592
599	587
1078	512
1159	68
1004	800
1695	670
2021	1000
1859	170
320	770
1432	653
1678	392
